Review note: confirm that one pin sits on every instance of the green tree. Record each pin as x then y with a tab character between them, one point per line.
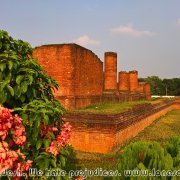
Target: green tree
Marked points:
163	86
156	85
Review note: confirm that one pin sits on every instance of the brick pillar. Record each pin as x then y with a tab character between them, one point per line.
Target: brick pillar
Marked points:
110	75
147	91
141	87
133	81
123	84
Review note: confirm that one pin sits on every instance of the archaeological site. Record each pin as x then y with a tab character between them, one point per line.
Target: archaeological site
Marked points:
83	81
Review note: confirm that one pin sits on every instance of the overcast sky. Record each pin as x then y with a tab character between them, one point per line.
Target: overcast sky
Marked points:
144	33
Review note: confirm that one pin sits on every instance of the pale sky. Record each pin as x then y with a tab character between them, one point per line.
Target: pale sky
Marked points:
144	33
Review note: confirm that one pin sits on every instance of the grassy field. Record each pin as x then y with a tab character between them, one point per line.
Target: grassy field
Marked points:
160	131
111	107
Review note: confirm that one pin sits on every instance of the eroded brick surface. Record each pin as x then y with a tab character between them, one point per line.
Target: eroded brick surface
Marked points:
133	81
105	133
110	74
82	80
123	84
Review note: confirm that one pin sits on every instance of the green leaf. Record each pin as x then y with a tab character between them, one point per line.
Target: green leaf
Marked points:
12	57
53	162
3	97
39	158
38	144
45	154
37	121
46	163
24	117
1	76
3	56
17	91
58	178
62	160
2	85
46	119
19	79
24	86
10	65
2	67
46	143
8	77
22	98
11	90
30	79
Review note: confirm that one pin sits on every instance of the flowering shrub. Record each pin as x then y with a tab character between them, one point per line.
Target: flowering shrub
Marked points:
28	90
61	139
12	134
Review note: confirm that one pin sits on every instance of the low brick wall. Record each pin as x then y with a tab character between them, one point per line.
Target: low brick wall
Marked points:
84	101
104	133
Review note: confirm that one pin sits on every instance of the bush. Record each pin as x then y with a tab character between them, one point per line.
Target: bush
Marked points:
12	140
26	88
144	156
173	148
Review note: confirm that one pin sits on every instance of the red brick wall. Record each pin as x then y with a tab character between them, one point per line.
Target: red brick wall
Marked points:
123	83
110	74
140	88
78	70
57	61
105	133
88	72
147	91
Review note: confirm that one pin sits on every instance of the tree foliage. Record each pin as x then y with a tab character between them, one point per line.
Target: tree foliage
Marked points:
22	79
163	86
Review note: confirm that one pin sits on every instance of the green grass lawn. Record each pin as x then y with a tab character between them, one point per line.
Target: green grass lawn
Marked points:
160	131
110	107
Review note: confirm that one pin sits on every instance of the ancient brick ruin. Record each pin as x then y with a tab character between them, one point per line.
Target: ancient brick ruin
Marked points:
82	79
104	133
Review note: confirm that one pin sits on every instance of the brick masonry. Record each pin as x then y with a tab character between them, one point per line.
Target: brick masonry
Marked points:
123	84
110	73
78	70
82	79
105	133
133	81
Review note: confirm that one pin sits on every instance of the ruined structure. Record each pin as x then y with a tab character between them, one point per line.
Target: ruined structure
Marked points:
133	81
123	84
104	133
82	79
110	73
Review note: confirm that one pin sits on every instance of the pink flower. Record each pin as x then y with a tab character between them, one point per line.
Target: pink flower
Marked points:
52	149
9	159
26	165
66	127
80	178
5	113
21	140
61	140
